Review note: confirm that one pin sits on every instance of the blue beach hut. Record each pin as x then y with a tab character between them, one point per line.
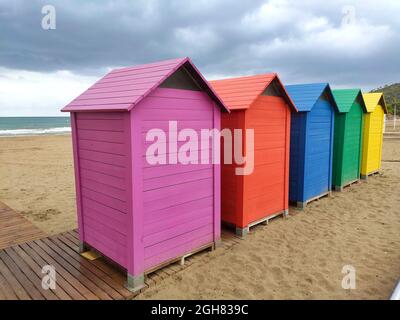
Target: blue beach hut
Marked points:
311	142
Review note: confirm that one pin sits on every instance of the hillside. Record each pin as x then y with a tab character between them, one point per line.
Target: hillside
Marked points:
392	95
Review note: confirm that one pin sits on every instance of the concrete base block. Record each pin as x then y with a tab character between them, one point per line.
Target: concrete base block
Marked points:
82	247
338	188
301	205
242	232
135	283
366	176
217	244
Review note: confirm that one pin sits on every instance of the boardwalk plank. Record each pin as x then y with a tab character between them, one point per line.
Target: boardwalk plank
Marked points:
74	233
19	281
13	282
30	274
37	268
61	281
88	288
102	289
83	292
16	229
115	287
100	263
5	292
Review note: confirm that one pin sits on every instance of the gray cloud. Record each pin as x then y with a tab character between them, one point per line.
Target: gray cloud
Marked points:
303	41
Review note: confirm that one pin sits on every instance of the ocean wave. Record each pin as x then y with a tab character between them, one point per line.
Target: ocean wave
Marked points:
32	132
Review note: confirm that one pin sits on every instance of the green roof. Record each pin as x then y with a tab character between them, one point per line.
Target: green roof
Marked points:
345	98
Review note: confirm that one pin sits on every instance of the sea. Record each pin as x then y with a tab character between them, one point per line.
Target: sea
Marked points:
28	126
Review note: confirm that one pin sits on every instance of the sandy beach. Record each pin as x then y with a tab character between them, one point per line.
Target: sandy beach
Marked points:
298	258
37	180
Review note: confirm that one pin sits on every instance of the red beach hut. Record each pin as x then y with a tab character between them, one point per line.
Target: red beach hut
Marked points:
260	103
139	214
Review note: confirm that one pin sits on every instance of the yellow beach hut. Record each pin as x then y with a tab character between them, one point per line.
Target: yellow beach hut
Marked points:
372	133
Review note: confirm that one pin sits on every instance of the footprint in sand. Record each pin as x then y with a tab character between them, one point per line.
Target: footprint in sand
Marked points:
277	272
45	215
309	280
255	258
241	293
178	278
27	213
200	278
258	288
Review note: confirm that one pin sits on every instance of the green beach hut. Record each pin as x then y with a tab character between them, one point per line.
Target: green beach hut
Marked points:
347	146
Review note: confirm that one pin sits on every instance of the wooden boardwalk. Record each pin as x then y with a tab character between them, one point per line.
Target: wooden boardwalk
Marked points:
76	277
15	229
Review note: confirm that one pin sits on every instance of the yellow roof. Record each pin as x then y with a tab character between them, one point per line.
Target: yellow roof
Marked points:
372	100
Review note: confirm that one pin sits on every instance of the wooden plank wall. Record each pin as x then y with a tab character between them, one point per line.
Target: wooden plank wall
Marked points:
103	159
178	199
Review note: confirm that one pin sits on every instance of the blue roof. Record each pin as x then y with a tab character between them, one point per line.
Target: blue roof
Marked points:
305	96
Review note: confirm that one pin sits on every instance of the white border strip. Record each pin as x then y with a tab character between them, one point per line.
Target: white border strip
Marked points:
396	293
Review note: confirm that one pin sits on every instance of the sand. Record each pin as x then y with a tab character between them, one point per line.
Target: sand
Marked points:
37	180
298	258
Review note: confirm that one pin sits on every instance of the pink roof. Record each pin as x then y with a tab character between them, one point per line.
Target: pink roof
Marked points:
122	89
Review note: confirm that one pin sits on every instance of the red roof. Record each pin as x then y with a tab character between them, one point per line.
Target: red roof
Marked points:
122	89
240	93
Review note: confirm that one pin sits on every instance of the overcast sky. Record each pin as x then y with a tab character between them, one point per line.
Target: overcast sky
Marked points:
304	41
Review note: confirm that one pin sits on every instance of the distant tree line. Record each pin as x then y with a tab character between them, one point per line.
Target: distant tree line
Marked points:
392	96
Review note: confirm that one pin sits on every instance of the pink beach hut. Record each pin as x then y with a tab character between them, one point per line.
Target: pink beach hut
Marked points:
142	214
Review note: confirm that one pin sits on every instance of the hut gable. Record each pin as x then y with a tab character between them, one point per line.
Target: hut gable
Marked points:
345	98
273	90
241	93
372	100
181	79
122	89
305	96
